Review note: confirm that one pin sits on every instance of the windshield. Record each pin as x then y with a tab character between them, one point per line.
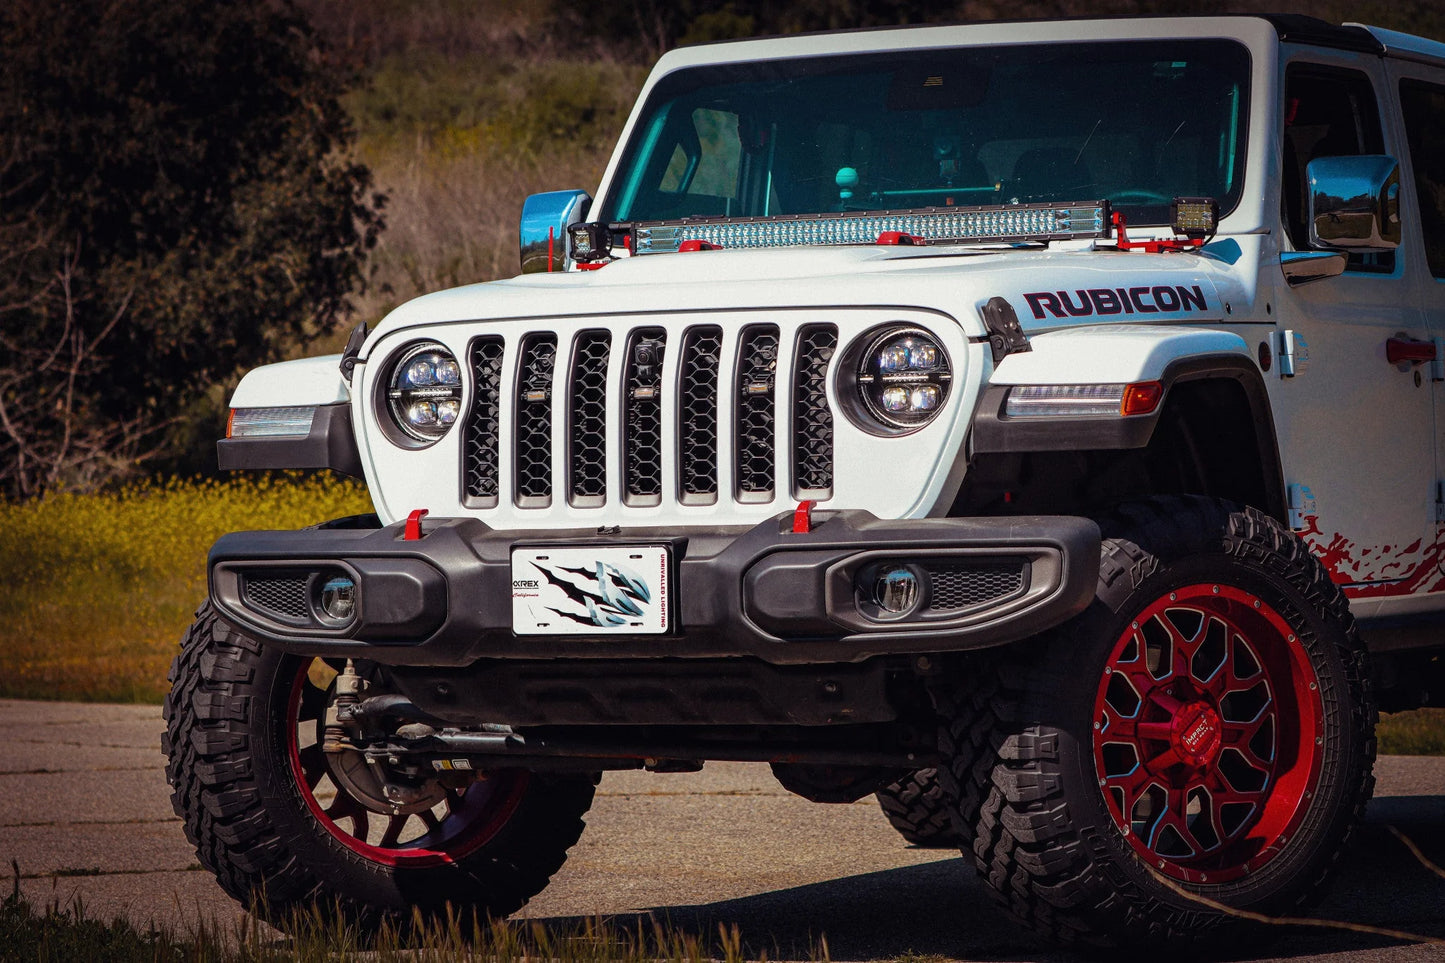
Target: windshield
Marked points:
1137	123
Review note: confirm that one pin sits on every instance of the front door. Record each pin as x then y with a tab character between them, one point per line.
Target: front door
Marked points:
1360	434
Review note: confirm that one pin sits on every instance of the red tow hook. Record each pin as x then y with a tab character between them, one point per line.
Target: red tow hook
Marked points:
413	525
693	244
803	517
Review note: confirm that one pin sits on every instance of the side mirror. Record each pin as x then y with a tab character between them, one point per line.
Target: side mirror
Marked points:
543	235
1354	203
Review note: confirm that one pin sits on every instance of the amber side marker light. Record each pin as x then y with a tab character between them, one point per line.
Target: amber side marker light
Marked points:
1141	398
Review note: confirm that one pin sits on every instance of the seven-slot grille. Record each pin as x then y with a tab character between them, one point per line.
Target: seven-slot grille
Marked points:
701	398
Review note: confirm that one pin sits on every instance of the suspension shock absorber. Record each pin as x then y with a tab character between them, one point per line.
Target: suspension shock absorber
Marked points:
349	689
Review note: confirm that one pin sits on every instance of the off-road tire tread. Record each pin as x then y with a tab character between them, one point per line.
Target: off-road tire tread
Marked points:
917	806
227	816
1024	843
971	714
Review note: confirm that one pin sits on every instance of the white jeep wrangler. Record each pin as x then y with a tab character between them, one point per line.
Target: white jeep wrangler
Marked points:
1035	424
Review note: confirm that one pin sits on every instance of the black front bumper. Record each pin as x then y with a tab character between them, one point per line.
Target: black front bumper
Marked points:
764	592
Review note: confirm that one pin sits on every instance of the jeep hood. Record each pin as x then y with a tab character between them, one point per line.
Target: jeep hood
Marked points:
1071	283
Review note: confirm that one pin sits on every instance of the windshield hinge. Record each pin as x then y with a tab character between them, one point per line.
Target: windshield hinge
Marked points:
352	349
1005	334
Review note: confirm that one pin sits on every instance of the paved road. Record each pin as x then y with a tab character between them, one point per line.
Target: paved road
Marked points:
87	813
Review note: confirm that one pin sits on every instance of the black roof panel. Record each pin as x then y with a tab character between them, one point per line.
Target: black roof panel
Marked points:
1298	28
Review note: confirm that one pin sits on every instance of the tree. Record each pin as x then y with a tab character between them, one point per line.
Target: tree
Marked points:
647	28
176	205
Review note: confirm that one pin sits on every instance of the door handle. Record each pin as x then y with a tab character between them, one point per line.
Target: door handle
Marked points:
1409	351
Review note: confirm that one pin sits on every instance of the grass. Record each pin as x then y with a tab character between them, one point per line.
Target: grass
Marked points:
97	589
60	934
1418	733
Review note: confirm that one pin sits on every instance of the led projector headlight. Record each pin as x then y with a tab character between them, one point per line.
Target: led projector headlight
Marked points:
903	377
424	391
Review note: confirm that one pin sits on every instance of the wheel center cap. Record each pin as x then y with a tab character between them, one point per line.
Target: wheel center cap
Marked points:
1195	734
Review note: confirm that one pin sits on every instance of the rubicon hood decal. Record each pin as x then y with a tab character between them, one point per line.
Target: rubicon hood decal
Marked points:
1139	299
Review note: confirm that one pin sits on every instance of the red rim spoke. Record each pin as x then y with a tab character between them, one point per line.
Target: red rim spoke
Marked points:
1238	735
1117	727
313	764
1172	817
1225	794
1162	760
1132	786
392	835
313	701
344	807
1154	731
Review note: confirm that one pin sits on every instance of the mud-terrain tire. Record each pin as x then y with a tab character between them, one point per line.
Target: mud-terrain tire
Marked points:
918	808
242	783
1205	727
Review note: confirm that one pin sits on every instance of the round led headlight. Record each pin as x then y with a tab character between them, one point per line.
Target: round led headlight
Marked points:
902	378
424	392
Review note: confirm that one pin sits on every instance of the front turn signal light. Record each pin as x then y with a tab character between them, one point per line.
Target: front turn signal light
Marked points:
1141	398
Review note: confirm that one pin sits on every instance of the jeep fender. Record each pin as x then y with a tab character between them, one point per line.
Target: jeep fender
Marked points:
1175	356
305	383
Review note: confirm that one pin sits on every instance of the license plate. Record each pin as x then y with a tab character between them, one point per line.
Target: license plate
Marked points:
590	590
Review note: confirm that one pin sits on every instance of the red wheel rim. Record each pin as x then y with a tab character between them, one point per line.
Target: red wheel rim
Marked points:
460	823
1208	733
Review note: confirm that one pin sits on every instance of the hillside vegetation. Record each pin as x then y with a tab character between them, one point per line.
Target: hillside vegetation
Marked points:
466	108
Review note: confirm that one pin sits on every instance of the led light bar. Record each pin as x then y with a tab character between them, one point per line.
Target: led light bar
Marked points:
964	225
270	422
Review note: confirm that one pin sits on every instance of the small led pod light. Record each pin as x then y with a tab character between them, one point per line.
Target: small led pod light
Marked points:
1194	217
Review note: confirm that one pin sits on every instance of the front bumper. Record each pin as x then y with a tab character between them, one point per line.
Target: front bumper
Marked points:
764	592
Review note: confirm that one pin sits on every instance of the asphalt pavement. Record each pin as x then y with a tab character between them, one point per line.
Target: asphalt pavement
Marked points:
87	815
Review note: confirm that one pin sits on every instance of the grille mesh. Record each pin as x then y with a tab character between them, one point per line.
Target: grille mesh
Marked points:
642	430
588	432
756	430
697	406
812	419
484	424
962	585
534	419
283	595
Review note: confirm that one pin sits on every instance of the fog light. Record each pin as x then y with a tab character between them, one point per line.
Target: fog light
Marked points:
338	598
896	590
